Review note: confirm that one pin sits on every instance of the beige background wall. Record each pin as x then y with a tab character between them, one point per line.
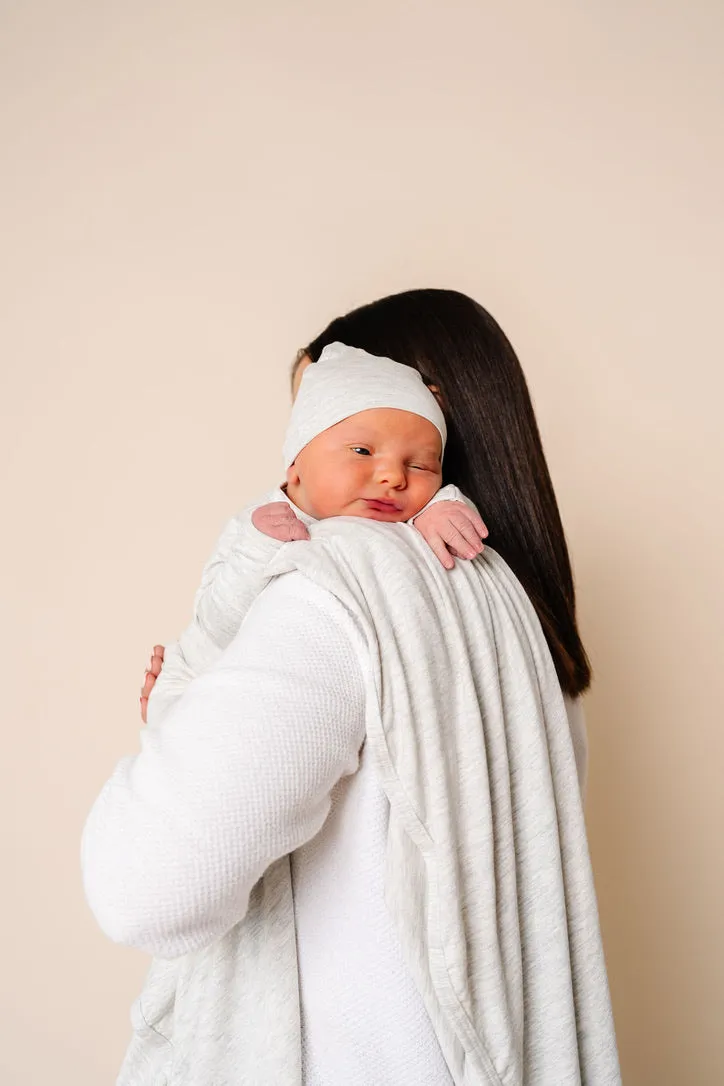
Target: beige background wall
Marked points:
189	192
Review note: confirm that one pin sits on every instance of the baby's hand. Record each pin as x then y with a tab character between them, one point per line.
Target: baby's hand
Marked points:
278	520
451	528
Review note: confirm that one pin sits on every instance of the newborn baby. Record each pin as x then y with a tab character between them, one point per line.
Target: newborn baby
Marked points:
366	438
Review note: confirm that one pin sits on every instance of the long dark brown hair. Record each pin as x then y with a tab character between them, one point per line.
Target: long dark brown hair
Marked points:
493	453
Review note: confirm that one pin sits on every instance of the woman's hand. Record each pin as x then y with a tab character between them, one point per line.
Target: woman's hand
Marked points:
152	674
452	529
278	520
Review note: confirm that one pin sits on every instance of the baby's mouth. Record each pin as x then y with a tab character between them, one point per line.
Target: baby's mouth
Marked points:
382	506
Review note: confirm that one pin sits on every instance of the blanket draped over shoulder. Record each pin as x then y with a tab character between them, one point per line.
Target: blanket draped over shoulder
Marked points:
488	877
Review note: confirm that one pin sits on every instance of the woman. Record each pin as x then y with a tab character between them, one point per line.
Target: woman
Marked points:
494	454
364	1019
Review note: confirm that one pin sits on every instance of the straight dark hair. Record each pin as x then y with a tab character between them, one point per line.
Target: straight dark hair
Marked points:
493	453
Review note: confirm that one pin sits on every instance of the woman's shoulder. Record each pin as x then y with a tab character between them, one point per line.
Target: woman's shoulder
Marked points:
293	593
297	631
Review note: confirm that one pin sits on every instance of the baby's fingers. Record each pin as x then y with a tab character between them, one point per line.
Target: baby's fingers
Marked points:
289	526
462	538
471	527
479	525
439	547
298	530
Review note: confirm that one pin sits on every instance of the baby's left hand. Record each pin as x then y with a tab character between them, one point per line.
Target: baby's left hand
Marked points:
452	530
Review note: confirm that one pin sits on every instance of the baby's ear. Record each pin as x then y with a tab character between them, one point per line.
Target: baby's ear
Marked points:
292	474
436	393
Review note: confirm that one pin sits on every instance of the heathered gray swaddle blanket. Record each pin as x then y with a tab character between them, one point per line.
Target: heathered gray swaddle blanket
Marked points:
488	877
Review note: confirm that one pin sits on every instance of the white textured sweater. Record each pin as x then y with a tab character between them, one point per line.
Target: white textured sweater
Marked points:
260	758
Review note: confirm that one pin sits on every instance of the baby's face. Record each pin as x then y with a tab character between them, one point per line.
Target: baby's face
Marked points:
381	455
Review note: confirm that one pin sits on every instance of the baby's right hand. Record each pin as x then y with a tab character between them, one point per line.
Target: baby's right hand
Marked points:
278	520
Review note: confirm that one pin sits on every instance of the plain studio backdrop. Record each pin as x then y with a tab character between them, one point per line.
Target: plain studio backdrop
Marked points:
189	193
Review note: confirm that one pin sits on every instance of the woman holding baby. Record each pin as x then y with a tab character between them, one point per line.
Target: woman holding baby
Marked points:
355	842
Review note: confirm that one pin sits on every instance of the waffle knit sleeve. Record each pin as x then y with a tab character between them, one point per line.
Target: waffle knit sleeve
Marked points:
238	774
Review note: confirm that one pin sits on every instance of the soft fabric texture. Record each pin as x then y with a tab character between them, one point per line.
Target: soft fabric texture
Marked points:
488	877
347	380
231	580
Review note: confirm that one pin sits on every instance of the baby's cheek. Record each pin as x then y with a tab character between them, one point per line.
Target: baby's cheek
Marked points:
425	494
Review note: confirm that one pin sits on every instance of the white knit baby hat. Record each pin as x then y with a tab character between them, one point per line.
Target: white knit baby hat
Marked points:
346	380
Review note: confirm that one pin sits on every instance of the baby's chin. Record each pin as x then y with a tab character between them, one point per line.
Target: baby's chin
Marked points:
377	514
368	513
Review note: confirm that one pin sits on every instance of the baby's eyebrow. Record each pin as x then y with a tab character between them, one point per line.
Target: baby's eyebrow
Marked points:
429	450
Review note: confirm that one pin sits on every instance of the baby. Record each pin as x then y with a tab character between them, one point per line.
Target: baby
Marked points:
366	438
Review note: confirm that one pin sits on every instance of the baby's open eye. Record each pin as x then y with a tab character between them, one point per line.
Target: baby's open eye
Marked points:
361	448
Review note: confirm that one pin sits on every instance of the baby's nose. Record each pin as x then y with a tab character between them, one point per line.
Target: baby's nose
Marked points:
390	473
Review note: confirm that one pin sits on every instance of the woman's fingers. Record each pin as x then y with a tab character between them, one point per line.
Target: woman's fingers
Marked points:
149	680
153	671
146	689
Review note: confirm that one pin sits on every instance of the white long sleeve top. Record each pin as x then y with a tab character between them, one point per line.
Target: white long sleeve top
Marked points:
260	758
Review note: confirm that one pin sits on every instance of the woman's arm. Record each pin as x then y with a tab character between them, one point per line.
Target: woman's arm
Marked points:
238	774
